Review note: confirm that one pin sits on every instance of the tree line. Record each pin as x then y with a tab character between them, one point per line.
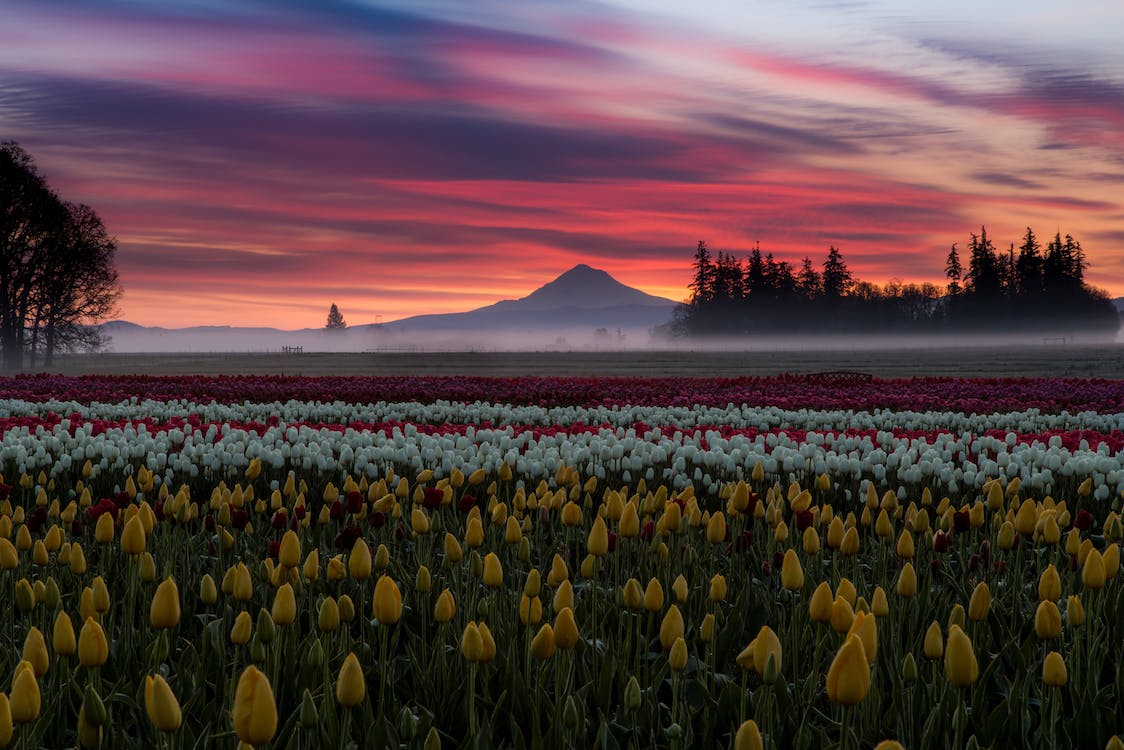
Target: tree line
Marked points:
58	275
1030	287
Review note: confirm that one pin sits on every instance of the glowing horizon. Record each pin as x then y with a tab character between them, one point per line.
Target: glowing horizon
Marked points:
258	163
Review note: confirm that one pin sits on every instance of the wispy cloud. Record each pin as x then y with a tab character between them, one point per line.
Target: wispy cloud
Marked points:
258	161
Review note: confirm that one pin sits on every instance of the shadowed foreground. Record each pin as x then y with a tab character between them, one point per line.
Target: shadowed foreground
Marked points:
1068	360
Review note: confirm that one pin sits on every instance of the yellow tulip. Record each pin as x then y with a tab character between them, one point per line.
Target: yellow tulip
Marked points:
907	581
558	572
716	528
846	590
679	588
718	588
328	616
165	609
284	610
103	529
1074	611
850	543
848	678
132	538
9	555
1047	621
472	646
960	664
671	627
290	554
62	636
542	645
934	641
842	616
25	700
565	629
243	584
653	596
866	628
563	597
359	563
677	658
1093	572
445	607
161	704
35	651
93	649
629	525
1050	584
820	605
6	725
879	605
597	543
208	592
1053	670
766	645
387	605
792	574
255	712
1027	518
980	603
810	541
243	627
889	745
493	571
748	736
351	687
706	629
1111	559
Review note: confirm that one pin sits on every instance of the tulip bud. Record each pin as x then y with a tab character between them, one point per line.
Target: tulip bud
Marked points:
284	610
848	678
677	657
792	574
387	601
165	609
93	650
842	616
909	669
351	687
255	712
980	603
62	636
865	627
960	663
25	699
671	627
1093	573
633	698
290	552
934	641
1053	670
1047	621
1074	611
565	629
161	704
653	596
472	646
309	717
748	736
820	605
35	652
543	645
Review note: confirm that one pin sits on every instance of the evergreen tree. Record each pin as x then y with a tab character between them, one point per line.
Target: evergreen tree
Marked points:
702	287
335	319
954	271
985	279
837	278
1028	266
808	281
755	273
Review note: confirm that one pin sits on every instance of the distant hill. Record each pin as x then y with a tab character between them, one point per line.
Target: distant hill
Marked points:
581	298
1119	302
584	308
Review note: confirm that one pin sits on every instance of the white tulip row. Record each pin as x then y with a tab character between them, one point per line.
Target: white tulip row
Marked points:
677	449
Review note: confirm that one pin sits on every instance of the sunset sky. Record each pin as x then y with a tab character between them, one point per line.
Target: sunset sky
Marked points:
258	161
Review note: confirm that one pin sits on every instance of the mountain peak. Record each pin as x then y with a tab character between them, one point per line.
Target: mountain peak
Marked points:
586	287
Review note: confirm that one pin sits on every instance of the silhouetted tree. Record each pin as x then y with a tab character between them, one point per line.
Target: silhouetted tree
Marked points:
335	319
57	272
954	271
1028	266
808	281
755	282
837	277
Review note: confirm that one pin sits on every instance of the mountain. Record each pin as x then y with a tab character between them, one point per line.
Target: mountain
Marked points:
584	307
581	299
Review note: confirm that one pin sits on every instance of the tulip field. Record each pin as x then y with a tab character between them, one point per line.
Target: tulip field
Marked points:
782	562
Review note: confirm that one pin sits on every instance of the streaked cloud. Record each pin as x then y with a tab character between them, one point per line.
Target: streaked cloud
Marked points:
260	160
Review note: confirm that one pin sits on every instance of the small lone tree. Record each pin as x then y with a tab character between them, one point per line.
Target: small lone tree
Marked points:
335	319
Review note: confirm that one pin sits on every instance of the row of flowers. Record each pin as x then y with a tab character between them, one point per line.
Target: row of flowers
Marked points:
485	610
981	395
900	451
